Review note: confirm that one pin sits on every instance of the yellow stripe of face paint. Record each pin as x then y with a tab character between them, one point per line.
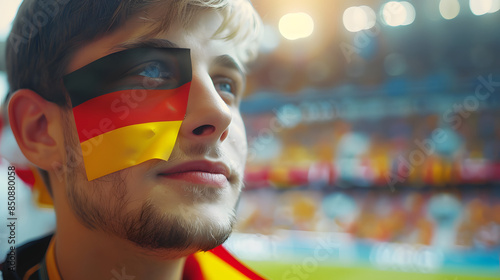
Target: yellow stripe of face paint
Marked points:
128	146
213	268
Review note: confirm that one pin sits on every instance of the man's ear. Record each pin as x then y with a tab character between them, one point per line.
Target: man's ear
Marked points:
37	126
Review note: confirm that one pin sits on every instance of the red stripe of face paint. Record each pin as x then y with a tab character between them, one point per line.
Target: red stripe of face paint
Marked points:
128	107
192	269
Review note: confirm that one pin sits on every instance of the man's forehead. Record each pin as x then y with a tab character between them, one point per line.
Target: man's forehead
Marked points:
99	48
136	32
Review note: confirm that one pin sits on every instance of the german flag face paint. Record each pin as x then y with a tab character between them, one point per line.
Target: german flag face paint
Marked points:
129	106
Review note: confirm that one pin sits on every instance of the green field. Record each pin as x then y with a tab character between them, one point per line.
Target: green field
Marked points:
282	271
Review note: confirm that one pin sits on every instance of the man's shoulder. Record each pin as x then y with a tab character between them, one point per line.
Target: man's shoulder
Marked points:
26	256
209	265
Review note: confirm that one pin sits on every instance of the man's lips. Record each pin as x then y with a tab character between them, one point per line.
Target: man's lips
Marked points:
208	173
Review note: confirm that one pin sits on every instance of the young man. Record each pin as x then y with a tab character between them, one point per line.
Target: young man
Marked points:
130	110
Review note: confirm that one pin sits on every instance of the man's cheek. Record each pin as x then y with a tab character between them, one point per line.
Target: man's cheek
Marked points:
111	140
238	140
128	146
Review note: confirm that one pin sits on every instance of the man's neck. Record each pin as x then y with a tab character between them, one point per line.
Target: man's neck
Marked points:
85	254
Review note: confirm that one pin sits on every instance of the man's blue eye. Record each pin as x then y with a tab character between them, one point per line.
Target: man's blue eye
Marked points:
155	71
227	87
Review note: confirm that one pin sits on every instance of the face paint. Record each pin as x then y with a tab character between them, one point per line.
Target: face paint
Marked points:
129	106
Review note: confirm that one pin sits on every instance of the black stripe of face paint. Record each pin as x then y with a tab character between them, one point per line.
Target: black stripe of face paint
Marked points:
139	68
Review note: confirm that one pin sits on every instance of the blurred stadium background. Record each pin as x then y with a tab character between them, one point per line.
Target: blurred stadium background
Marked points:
374	141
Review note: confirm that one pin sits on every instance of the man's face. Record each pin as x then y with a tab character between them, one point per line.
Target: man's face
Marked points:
185	203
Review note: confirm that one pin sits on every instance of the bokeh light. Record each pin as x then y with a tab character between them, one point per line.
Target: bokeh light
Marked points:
355	19
370	14
359	18
410	13
449	9
481	7
9	10
495	6
295	26
393	13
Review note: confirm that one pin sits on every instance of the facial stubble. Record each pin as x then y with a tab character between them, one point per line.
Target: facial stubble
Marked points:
101	205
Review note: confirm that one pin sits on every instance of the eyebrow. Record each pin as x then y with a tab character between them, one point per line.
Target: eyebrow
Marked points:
223	60
150	43
229	62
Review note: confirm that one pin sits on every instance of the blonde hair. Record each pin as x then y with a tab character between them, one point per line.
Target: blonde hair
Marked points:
37	59
240	24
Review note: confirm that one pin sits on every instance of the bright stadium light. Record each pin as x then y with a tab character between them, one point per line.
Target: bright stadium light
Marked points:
370	14
295	26
359	18
9	10
410	13
394	13
495	6
480	7
449	9
355	19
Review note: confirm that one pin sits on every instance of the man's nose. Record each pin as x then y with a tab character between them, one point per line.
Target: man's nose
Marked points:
207	115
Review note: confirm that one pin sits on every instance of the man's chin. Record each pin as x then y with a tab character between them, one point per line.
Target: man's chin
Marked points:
184	234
